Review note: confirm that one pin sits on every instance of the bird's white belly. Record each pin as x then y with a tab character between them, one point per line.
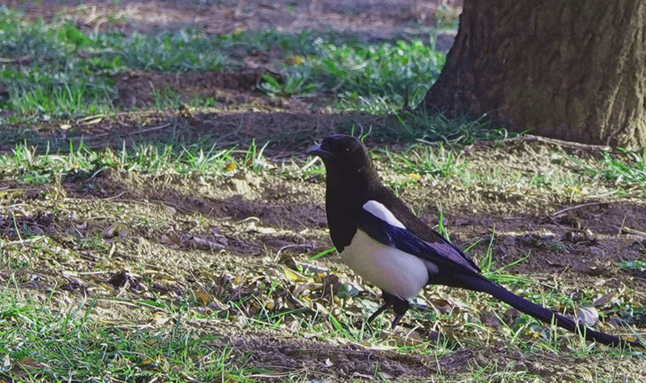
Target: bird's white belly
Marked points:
392	270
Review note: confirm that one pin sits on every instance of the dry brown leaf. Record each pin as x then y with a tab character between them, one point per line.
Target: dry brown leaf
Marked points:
159	320
204	244
119	279
155	364
603	300
30	364
489	319
170	239
115	229
202	297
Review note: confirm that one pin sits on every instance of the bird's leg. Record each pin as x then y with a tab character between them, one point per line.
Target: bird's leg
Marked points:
389	300
400	306
379	311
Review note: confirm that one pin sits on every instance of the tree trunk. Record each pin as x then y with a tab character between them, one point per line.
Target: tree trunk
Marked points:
568	69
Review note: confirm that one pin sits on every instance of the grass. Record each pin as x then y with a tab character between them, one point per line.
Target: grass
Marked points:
374	78
636	264
27	165
404	169
72	217
40	343
626	169
427	160
71	73
427	128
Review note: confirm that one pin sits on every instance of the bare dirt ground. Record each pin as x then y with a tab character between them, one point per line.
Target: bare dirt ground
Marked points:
375	19
226	238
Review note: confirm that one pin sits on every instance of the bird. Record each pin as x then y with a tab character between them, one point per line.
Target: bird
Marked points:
383	241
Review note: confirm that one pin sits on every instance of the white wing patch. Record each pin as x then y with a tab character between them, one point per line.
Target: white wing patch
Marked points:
380	211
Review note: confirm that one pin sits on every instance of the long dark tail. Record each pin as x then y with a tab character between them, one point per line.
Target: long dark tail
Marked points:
539	312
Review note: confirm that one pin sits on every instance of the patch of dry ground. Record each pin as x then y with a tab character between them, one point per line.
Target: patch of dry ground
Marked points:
374	19
239	115
221	241
288	130
135	89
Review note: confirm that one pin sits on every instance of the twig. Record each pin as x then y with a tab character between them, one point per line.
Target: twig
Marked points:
115	196
16	60
92	272
23	242
162	126
578	207
277	257
554	141
132	303
627	230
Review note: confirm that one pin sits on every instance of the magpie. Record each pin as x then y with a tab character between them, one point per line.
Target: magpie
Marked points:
381	239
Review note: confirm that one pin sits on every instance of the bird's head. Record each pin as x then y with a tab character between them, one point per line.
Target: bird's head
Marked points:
342	151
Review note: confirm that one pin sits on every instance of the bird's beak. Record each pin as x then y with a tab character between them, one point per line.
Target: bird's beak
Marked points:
315	150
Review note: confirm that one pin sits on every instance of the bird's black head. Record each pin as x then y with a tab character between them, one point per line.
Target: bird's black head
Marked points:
343	150
350	180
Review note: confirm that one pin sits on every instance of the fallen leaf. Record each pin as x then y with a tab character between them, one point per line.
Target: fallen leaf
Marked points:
603	300
415	176
170	239
115	229
293	276
202	297
92	121
6	364
154	364
294	60
30	364
489	319
204	244
588	316
119	279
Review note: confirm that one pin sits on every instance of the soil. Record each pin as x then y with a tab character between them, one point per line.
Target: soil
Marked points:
373	19
135	89
226	238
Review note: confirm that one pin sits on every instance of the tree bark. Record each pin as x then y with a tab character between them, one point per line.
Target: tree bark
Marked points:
568	69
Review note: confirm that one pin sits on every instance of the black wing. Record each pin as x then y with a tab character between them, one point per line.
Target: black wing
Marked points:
441	252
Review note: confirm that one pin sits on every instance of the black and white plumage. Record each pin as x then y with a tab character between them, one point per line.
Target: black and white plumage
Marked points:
381	239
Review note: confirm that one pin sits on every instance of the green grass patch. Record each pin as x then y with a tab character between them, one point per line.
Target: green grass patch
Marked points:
40	343
66	72
419	160
26	165
55	82
369	77
635	264
630	171
624	168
